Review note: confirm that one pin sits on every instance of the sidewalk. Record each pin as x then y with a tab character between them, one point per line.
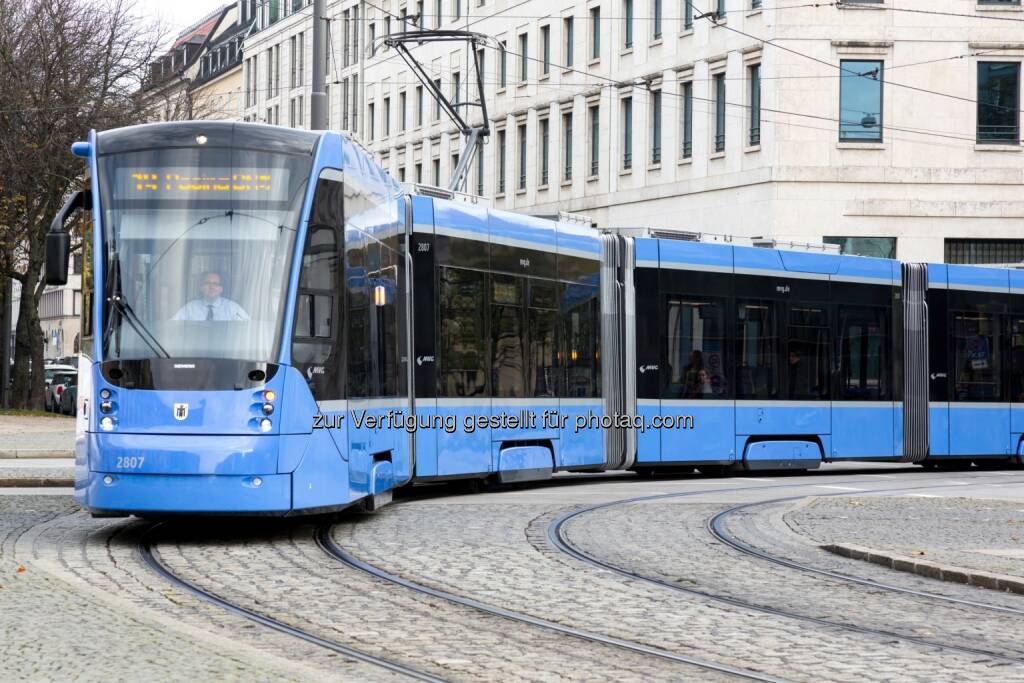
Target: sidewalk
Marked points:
36	451
36	437
961	540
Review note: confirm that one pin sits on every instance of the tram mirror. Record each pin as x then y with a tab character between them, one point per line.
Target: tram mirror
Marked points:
58	250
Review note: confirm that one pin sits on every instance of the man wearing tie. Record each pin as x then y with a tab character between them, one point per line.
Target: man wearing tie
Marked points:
212	306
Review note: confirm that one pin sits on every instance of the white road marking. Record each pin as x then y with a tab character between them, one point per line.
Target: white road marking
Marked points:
840	488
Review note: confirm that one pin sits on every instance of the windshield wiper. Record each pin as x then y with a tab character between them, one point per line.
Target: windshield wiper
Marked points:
128	314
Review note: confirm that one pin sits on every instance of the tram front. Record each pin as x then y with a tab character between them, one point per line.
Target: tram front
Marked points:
188	260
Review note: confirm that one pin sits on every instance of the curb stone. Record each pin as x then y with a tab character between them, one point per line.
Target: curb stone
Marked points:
29	453
37	482
932	570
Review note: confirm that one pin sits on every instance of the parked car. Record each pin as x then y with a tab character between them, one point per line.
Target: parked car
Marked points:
69	396
57	376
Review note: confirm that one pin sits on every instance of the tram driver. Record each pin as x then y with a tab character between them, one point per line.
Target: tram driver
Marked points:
212	306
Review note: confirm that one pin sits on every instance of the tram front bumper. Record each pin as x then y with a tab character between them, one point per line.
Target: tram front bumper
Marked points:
160	473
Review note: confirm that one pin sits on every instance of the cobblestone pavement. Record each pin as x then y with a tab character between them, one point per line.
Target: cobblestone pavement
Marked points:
987	535
481	551
85	606
71	611
23	436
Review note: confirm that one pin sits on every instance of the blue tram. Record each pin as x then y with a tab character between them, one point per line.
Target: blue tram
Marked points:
272	325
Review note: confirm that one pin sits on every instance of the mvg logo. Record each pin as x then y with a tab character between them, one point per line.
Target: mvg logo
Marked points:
180	411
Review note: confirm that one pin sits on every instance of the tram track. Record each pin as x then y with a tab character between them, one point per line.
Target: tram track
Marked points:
151	557
558	538
333	550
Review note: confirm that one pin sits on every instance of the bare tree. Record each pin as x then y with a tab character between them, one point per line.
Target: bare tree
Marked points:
66	66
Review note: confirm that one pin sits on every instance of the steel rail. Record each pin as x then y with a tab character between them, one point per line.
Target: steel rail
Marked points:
151	557
330	546
557	537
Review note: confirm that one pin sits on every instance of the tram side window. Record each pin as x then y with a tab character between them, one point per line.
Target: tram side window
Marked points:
315	342
543	368
582	337
807	357
976	362
462	347
697	358
384	281
1017	358
357	314
862	368
757	341
508	343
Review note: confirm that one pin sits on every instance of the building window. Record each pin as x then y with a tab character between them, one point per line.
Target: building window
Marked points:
567	146
879	247
687	123
545	47
627	133
860	100
302	59
999	102
522	156
370	119
656	127
984	251
437	13
755	105
419	105
401	174
437	172
595	138
481	69
419	172
719	80
545	135
627	16
386	116
293	54
687	15
503	65
456	9
401	111
567	46
656	21
595	33
456	87
373	39
523	57
502	165
720	9
437	100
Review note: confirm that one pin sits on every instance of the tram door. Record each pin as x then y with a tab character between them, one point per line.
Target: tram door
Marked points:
1015	362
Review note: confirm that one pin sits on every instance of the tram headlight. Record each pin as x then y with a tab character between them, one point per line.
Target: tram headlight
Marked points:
269	395
268	409
107	424
105	394
257	482
265	424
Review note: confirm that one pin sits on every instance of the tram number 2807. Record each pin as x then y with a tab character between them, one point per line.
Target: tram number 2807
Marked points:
130	462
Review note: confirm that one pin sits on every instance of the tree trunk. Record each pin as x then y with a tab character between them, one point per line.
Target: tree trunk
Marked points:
28	343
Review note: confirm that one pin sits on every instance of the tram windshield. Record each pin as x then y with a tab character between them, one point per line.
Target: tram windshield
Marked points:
197	245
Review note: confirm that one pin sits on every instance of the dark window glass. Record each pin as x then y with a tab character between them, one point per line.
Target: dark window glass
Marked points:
976	350
999	102
524	64
595	33
567	25
501	161
567	146
755	105
719	112
627	133
984	251
757	341
807	361
1017	358
656	28
862	368
595	139
543	367
696	354
860	100
879	247
383	282
580	324
545	134
656	127
522	157
545	46
357	313
462	361
507	339
627	11
687	14
687	120
503	70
